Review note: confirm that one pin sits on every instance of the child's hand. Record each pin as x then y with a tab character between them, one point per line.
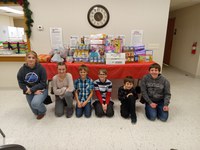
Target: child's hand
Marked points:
79	104
166	108
84	103
104	107
129	94
153	105
39	92
28	91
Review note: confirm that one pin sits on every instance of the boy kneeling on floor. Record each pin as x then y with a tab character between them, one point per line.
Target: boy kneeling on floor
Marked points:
127	97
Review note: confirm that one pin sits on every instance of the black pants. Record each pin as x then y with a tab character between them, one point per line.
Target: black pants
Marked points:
99	110
128	107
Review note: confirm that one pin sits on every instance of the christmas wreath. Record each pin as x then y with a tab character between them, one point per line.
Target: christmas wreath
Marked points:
27	14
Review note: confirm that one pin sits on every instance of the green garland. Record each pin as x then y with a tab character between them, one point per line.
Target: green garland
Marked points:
29	20
27	14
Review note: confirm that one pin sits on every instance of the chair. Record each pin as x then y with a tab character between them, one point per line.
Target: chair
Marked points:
10	146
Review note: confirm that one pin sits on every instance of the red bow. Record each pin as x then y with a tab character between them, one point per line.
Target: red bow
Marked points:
20	2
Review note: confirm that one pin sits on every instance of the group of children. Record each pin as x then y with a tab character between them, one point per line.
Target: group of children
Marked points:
154	87
155	93
84	88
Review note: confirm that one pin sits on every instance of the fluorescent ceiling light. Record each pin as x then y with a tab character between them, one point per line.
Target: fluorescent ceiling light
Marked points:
12	10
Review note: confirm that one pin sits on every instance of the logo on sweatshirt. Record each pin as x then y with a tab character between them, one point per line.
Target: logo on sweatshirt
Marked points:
31	77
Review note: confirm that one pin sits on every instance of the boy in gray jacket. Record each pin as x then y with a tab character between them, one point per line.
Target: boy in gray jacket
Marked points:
156	94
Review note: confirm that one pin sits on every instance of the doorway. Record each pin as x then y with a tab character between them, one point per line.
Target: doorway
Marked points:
169	39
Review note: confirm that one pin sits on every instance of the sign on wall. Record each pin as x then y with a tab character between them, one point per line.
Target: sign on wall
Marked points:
56	38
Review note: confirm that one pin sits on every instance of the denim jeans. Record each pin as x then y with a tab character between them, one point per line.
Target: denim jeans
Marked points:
158	112
36	102
87	110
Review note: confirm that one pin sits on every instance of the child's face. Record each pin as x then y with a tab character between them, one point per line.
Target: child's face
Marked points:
31	60
83	74
128	85
154	72
102	76
62	70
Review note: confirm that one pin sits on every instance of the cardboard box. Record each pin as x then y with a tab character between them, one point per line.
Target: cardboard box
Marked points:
115	58
94	42
115	61
145	58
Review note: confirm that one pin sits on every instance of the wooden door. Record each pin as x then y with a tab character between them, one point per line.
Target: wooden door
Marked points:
169	39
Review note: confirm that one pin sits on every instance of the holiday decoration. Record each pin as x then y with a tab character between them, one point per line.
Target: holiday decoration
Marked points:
27	14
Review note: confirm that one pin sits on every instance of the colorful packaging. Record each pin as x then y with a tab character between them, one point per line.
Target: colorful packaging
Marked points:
139	50
44	58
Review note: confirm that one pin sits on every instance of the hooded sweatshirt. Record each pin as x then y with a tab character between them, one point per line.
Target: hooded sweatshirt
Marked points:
155	90
34	78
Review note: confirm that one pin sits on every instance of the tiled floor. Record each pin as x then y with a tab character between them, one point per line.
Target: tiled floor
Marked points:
182	131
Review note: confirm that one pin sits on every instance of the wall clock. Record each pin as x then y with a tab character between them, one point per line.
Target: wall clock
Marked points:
98	16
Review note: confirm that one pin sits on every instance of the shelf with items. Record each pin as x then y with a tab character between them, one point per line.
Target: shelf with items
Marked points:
9	55
16	47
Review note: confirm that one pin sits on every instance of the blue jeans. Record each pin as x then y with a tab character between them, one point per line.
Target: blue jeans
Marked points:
36	102
87	110
158	112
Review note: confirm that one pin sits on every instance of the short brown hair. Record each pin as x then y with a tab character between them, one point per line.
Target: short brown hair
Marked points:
103	70
61	64
156	66
128	79
83	67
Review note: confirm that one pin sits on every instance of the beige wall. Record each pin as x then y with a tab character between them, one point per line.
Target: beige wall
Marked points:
8	75
187	25
19	23
198	68
10	21
6	21
71	16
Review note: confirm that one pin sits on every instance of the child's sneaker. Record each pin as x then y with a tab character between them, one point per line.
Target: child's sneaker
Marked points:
40	116
134	120
69	112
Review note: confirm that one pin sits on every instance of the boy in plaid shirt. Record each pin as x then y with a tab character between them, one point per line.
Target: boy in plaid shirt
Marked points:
83	92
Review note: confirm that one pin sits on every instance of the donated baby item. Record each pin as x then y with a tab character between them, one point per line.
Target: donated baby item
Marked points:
56	57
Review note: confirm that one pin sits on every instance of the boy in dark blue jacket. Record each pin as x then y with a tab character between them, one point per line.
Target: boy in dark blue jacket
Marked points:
127	97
